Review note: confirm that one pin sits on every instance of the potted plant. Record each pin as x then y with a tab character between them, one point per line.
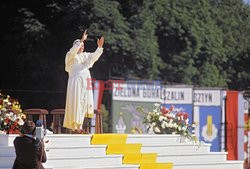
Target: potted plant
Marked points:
11	116
171	120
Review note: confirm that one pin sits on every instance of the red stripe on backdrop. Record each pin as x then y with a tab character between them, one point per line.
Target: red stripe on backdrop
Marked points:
101	88
98	94
232	123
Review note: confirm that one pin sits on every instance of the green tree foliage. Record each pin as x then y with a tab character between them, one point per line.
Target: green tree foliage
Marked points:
20	32
145	49
189	39
233	18
199	42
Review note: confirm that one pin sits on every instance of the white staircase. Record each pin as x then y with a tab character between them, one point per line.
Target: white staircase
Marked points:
75	152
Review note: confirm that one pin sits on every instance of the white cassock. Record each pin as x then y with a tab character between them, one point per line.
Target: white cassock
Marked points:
79	99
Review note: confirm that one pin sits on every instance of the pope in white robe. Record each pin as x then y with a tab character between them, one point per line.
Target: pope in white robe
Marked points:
79	98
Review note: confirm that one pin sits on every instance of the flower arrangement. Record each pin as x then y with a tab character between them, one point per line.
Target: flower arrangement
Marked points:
168	121
11	116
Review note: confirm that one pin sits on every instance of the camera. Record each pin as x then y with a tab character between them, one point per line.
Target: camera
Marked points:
40	130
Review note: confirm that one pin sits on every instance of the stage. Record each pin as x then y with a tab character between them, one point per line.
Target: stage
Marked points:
121	151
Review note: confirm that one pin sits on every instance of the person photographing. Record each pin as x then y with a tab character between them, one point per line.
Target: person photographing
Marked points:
30	153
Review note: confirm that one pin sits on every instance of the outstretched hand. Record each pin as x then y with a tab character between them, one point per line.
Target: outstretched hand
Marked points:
100	42
84	36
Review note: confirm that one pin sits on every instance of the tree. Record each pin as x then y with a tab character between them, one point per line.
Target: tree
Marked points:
232	17
146	50
189	40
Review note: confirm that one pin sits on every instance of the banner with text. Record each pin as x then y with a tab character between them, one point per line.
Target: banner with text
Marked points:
127	97
207	114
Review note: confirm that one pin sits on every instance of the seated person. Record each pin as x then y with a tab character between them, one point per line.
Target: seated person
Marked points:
30	152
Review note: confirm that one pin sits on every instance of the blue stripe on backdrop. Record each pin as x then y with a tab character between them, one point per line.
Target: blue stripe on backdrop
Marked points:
186	107
210	125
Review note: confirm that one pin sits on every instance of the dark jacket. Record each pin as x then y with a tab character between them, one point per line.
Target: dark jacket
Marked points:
30	153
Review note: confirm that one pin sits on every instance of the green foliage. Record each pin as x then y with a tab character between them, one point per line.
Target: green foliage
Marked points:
199	42
105	118
233	18
210	76
146	48
188	38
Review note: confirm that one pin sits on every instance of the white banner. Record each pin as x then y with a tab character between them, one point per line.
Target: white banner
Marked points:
135	92
207	97
152	93
177	95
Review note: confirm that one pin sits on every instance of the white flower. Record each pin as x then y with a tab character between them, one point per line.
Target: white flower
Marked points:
13	118
166	124
20	122
163	126
153	124
184	128
161	118
181	118
151	113
172	115
148	117
171	125
157	130
157	104
7	115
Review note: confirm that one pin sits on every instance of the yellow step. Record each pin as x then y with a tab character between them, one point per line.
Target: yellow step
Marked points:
157	166
116	144
109	139
139	158
131	158
123	148
148	158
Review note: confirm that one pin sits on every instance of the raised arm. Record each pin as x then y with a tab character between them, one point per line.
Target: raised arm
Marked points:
95	56
90	58
70	56
77	44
